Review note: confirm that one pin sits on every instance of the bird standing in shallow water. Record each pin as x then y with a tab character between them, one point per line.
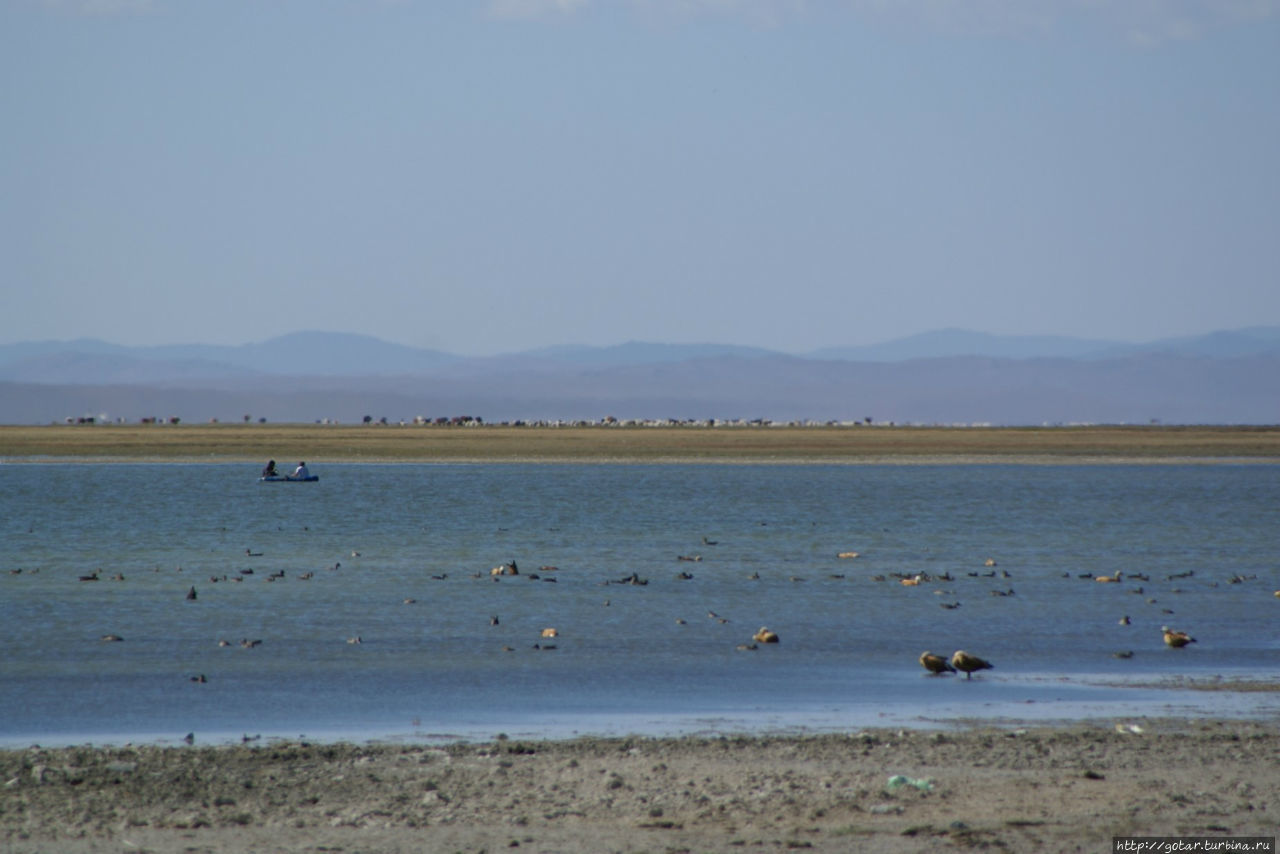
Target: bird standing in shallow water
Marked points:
935	664
969	663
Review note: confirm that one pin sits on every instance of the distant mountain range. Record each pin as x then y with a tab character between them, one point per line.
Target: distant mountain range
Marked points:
946	376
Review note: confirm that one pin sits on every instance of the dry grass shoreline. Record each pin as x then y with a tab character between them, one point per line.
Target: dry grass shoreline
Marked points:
825	444
1062	788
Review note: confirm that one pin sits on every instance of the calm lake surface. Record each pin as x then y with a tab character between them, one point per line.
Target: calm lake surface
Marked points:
628	658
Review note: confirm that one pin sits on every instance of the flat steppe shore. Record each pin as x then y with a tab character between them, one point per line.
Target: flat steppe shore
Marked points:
499	443
1052	788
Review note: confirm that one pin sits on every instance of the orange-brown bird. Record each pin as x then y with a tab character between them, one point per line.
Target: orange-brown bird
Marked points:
935	664
1177	640
969	663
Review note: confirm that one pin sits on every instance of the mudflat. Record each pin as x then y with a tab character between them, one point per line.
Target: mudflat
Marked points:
1053	788
319	443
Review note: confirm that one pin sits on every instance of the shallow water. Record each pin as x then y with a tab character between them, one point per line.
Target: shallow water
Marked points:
375	535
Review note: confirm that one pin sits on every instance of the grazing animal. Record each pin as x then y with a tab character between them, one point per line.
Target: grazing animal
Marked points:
969	663
765	635
935	664
1177	640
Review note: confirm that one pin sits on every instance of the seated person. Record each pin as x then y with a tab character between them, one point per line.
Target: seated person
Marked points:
269	470
301	473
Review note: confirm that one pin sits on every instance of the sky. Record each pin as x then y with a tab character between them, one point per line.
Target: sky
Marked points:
497	175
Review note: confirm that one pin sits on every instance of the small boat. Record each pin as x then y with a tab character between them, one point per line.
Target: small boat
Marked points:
283	478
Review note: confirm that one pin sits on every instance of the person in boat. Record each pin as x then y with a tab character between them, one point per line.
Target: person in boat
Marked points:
300	473
269	470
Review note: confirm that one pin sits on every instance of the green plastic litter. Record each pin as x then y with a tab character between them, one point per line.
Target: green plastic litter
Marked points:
897	781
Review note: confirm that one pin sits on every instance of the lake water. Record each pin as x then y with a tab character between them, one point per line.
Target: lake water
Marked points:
373	536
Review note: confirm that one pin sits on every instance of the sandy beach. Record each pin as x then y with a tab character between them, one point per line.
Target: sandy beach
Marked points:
1012	788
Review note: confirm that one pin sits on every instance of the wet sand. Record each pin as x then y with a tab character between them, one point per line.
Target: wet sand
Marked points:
1061	788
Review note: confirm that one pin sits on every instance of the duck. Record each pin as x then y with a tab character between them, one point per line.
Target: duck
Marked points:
1177	640
765	635
846	555
1107	579
969	663
93	576
550	633
935	664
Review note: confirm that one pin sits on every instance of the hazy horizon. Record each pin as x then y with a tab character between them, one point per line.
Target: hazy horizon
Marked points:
499	176
620	343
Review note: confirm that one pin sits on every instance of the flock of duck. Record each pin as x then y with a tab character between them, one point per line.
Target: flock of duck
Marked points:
960	661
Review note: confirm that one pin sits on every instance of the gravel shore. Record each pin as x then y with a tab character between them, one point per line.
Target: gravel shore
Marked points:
1060	788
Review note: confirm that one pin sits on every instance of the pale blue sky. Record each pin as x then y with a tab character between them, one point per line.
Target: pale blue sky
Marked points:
483	177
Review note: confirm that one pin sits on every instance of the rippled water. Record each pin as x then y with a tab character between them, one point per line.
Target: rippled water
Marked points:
376	535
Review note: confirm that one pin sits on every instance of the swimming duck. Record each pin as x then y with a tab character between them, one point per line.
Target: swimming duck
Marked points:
765	635
1177	640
